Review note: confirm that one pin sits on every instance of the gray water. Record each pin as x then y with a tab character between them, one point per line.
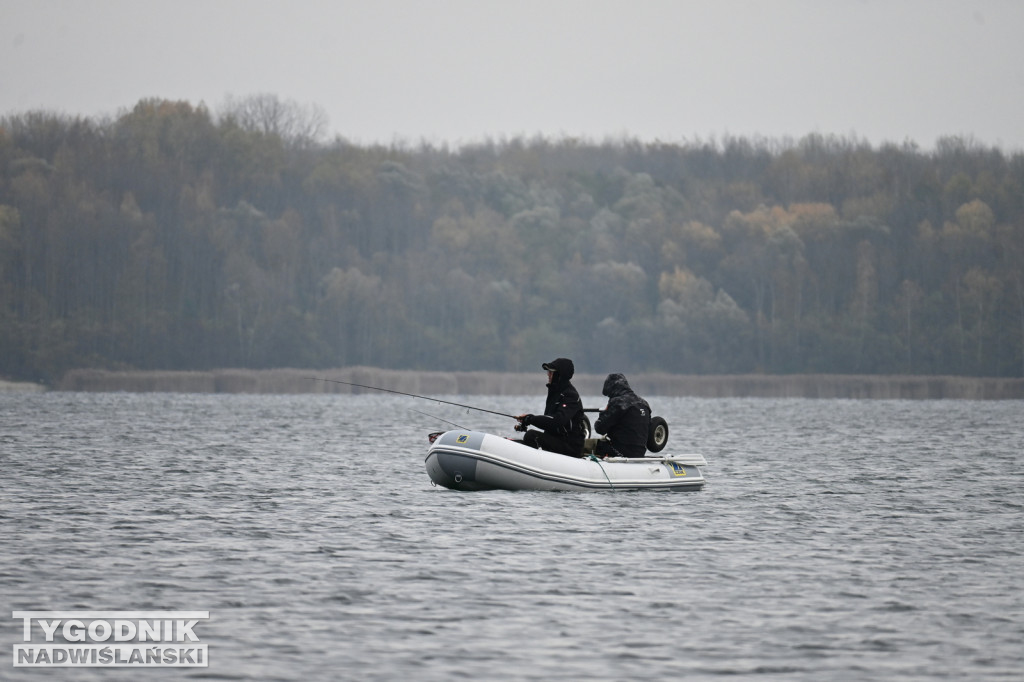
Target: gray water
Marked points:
835	540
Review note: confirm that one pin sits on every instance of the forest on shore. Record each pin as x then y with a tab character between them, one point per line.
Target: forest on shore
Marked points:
168	237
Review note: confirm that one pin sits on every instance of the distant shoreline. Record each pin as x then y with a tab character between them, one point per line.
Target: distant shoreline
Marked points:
20	387
297	381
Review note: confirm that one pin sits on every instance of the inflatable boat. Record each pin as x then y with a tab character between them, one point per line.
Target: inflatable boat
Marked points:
473	460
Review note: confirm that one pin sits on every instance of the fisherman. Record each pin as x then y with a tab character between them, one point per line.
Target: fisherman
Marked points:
626	420
561	426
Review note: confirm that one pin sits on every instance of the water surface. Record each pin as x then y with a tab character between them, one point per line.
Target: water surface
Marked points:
840	540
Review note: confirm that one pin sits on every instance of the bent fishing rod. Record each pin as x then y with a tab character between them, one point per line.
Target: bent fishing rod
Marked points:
413	395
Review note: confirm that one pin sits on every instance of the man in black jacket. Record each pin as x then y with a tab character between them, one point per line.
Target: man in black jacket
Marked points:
626	420
561	426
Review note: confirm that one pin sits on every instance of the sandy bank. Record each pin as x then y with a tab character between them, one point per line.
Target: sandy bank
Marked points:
20	387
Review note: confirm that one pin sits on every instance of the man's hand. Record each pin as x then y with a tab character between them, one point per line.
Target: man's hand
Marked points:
524	421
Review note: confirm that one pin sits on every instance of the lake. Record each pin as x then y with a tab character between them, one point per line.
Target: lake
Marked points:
835	539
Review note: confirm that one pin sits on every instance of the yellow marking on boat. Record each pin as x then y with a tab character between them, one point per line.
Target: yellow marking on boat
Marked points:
462	439
678	469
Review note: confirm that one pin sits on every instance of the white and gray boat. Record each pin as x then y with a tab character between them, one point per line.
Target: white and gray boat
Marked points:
474	460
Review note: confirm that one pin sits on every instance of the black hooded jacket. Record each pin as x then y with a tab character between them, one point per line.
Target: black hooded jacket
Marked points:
626	420
563	409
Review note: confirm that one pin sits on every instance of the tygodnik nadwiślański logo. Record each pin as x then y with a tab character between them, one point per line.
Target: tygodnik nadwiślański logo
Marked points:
122	639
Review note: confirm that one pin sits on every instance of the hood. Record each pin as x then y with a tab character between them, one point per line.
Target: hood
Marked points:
615	385
562	367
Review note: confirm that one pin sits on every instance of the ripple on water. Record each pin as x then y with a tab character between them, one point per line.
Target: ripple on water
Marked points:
834	540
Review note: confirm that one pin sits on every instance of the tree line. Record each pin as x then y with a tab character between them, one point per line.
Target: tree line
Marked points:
171	238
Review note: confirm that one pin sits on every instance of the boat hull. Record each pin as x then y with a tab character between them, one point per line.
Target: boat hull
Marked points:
473	460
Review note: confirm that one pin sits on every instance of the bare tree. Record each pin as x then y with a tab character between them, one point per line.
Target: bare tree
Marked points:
265	113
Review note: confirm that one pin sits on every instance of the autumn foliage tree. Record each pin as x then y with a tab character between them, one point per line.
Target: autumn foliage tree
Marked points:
172	237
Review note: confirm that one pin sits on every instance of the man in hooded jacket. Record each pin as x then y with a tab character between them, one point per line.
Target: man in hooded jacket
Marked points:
626	420
561	426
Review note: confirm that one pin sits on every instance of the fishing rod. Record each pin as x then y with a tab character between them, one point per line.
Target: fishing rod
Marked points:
413	395
458	426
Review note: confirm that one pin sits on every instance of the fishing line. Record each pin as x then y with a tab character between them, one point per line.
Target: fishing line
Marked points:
413	395
460	426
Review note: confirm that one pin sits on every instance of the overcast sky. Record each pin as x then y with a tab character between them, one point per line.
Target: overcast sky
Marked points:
460	70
